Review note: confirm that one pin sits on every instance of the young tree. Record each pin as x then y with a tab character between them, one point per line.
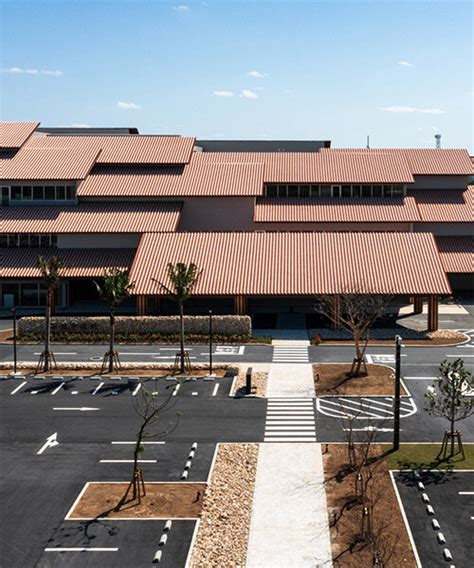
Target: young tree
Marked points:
447	397
182	278
50	270
356	312
115	287
149	408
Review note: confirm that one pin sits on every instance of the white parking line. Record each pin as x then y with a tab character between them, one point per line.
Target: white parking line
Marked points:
97	388
136	389
58	388
127	461
135	442
456	356
20	386
176	389
420	378
60	353
80	549
216	388
466	492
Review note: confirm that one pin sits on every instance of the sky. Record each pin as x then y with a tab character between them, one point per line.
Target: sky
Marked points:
399	71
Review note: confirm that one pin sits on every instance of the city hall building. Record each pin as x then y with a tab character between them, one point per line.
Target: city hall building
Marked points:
271	224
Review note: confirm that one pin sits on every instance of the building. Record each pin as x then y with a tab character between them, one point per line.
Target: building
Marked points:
270	224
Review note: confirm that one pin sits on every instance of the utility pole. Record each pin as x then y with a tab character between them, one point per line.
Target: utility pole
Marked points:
13	310
396	409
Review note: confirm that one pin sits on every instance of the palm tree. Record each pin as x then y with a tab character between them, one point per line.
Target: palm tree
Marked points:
50	269
115	287
183	278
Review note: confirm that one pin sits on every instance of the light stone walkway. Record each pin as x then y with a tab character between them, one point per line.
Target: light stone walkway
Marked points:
290	380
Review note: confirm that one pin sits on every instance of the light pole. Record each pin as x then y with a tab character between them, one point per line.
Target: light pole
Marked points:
210	342
396	409
13	311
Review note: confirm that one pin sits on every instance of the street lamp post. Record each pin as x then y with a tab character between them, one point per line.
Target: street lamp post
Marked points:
13	310
210	342
396	410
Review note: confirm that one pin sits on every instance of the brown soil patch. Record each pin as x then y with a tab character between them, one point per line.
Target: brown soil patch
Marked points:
6	335
259	385
345	520
162	500
333	381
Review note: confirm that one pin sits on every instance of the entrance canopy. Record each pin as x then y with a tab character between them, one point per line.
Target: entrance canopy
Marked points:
296	264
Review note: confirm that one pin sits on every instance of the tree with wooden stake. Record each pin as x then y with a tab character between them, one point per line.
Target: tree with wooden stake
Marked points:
115	287
447	399
150	408
182	279
50	270
356	312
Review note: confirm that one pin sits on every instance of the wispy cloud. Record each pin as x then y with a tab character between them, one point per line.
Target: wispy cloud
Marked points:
407	109
182	8
80	125
128	105
406	64
223	93
29	71
257	74
248	94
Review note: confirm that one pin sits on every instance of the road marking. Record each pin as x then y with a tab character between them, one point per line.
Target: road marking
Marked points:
58	388
127	461
34	392
420	378
465	492
135	443
51	441
97	388
136	389
168	357
457	356
74	392
358	409
176	389
16	389
80	549
368	429
290	422
290	439
60	353
216	388
82	409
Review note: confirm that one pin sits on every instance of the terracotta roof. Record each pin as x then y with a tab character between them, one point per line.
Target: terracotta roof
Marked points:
345	210
456	253
14	134
133	149
196	179
445	206
78	263
299	263
93	217
422	161
48	164
320	167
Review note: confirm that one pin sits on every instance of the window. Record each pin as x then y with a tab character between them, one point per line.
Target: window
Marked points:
356	191
325	191
315	191
336	191
397	191
16	192
71	192
38	192
387	191
44	240
27	192
292	191
376	191
34	240
49	193
53	240
271	191
346	191
304	190
366	191
60	192
282	191
29	294
3	241
23	240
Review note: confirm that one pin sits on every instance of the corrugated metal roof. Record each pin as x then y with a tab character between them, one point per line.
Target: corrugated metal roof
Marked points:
48	164
78	263
423	161
196	179
92	217
457	253
345	210
320	167
15	134
262	145
133	149
295	263
445	206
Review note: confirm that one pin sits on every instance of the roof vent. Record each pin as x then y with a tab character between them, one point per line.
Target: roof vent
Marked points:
438	140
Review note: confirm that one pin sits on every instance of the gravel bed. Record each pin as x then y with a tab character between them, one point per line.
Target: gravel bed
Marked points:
259	384
223	532
389	333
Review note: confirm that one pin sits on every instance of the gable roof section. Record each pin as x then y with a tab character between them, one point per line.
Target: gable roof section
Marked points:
93	217
309	210
456	253
299	263
48	164
133	149
445	206
14	134
195	180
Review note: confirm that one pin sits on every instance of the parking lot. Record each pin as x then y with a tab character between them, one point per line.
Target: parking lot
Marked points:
451	496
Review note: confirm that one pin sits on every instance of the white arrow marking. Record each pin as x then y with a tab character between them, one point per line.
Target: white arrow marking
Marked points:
50	442
82	408
370	429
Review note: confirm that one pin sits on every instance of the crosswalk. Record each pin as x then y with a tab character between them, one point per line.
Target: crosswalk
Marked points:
290	420
290	354
364	408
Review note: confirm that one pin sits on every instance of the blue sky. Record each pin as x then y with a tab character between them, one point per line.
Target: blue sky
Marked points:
400	71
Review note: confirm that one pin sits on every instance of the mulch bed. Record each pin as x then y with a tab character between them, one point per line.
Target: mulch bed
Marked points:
428	342
162	500
345	521
333	381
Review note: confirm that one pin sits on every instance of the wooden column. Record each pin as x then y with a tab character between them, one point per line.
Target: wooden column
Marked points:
141	305
418	305
432	313
240	305
336	313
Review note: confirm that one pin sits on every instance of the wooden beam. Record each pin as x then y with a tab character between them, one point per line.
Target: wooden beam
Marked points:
141	305
336	313
432	313
240	305
418	305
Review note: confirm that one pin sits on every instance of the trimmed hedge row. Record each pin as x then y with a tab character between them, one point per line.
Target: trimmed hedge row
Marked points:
137	325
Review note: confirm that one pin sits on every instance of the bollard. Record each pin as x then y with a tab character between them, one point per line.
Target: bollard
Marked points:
163	539
430	510
435	524
421	487
447	554
248	380
157	557
425	498
441	538
167	526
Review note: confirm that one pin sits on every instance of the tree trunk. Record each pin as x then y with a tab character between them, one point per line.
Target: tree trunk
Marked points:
111	340
47	340
181	347
133	482
452	421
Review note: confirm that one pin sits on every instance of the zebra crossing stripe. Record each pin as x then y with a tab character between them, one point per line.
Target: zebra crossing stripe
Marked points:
290	420
290	354
370	409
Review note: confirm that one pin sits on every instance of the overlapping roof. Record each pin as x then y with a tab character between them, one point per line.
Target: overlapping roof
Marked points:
196	179
456	253
93	217
445	206
14	134
345	210
299	263
78	263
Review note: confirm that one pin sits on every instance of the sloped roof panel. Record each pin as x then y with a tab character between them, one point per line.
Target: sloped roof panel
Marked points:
445	206
15	134
456	253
